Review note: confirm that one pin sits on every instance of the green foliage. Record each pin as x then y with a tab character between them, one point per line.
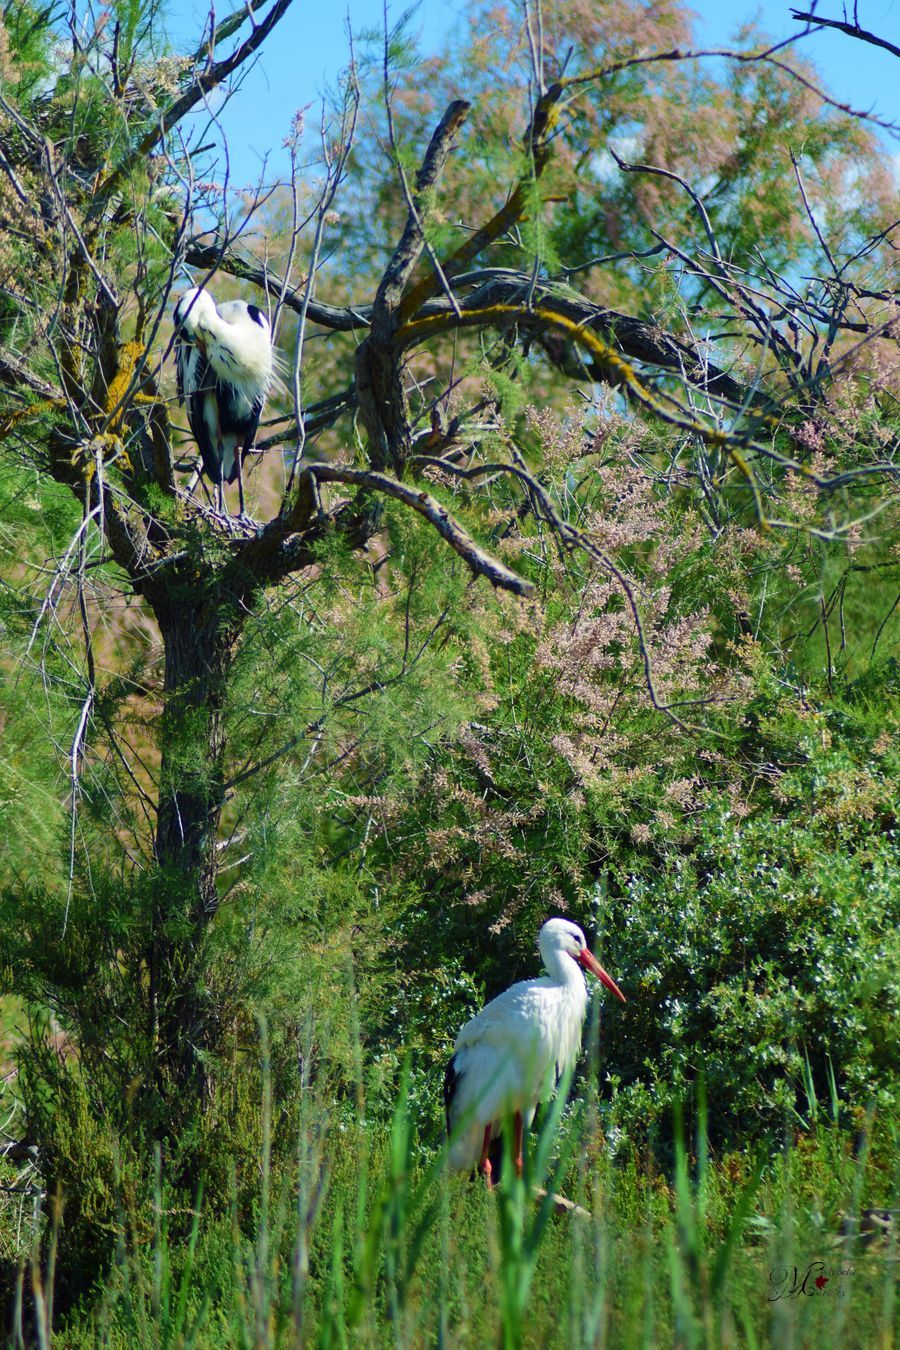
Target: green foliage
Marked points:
785	958
509	766
750	929
414	773
741	877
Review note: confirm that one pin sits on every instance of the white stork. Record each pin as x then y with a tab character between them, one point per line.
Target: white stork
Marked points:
224	363
508	1058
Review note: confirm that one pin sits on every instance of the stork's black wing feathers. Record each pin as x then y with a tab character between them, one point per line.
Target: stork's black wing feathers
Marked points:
451	1078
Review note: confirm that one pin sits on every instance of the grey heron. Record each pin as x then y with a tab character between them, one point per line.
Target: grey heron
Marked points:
224	363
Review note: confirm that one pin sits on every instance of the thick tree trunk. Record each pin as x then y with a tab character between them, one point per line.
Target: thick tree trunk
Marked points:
200	641
381	401
198	651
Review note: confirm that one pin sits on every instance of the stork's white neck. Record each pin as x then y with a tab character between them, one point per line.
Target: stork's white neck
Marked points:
563	969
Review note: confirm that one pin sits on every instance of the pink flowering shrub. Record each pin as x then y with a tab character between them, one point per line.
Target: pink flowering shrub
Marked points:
664	830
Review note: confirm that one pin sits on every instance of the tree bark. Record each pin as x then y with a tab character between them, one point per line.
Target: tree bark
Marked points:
200	641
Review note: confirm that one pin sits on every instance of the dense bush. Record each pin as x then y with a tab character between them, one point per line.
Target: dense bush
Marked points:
759	954
748	908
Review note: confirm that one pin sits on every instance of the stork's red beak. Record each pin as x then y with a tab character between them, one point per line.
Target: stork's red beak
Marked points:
590	962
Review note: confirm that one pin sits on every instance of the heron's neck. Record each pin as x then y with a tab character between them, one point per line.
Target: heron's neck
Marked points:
212	322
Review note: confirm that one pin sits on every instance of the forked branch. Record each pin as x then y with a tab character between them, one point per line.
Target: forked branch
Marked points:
289	542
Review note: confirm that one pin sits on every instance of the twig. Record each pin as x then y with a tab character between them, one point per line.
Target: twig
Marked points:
335	173
432	165
741	58
78	740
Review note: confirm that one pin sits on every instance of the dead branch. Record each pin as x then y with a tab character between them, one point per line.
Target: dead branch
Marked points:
851	29
336	168
412	240
766	57
379	390
538	149
337	318
14	372
542	509
481	563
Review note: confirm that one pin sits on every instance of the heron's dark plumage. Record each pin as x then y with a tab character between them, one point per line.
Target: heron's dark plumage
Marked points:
216	372
232	422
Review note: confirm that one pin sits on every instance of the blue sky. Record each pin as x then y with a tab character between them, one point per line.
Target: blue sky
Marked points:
309	48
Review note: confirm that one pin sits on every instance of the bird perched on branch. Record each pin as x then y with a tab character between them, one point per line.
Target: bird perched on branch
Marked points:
508	1058
225	367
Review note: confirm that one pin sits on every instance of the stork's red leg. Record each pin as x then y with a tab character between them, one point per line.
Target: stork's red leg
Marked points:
520	1130
484	1162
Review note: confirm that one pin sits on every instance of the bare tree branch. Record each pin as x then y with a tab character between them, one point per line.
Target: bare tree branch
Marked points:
851	29
337	318
228	26
640	340
280	548
766	57
15	372
481	563
412	240
214	75
379	390
537	146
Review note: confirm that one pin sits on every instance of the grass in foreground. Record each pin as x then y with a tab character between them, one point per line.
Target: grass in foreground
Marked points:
367	1241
